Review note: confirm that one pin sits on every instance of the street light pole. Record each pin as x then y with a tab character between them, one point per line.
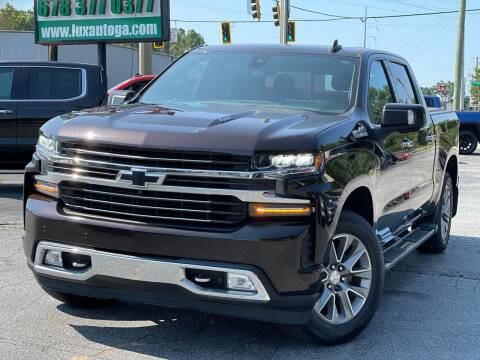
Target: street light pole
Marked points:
284	16
145	59
458	101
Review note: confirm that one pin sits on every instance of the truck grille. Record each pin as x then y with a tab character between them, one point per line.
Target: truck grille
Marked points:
132	157
220	183
97	172
145	206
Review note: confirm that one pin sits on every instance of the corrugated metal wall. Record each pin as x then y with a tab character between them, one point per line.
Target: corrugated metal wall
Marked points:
122	63
21	46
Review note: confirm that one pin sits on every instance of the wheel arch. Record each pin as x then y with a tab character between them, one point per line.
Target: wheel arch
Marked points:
360	202
474	128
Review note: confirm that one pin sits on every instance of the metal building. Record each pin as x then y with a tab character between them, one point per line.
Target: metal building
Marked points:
122	62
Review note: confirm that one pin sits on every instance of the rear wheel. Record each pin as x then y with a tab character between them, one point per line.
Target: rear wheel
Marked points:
352	282
468	142
78	301
443	220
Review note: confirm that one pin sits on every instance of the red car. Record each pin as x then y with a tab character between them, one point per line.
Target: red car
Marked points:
134	84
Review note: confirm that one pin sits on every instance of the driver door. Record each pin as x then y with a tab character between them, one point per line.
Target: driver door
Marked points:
395	153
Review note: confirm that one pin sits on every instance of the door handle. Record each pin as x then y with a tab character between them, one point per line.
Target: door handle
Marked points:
407	144
6	112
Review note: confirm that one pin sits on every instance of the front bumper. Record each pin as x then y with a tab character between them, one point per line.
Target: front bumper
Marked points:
270	251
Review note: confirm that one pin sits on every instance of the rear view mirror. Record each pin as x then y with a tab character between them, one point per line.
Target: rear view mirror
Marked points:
409	116
120	96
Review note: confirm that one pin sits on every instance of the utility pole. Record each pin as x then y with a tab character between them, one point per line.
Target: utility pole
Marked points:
284	16
458	100
365	27
145	59
52	53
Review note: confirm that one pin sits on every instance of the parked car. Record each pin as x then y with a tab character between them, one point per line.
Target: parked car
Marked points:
469	131
275	183
128	88
433	102
31	93
469	125
135	84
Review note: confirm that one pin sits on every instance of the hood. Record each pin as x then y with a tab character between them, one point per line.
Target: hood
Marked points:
232	128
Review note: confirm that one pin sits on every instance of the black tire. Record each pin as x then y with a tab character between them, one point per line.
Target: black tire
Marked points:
329	333
468	142
81	302
439	241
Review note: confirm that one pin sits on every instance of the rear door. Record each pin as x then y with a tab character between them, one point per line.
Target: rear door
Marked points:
9	77
423	150
50	92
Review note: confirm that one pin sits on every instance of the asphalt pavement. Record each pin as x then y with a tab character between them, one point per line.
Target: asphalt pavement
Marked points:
430	308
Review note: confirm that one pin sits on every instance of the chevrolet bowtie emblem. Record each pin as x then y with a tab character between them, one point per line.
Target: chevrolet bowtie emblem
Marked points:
139	177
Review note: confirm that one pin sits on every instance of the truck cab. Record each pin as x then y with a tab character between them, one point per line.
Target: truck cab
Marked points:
31	93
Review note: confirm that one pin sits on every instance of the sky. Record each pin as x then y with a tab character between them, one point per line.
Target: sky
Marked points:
427	42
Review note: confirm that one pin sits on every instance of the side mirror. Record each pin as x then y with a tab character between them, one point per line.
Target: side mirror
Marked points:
120	97
403	116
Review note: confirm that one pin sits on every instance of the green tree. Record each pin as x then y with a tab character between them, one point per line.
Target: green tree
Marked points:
186	40
13	19
434	89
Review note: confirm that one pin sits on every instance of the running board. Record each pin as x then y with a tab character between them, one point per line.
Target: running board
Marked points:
406	245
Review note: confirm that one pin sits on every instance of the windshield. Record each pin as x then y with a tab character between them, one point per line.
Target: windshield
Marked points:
317	83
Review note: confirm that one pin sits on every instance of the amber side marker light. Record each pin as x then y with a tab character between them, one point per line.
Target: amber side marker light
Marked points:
266	210
46	188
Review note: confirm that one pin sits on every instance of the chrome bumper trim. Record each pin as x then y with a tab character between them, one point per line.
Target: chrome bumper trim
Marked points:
259	196
136	268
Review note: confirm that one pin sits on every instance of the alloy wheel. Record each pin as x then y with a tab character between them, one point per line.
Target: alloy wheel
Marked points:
346	280
446	214
466	143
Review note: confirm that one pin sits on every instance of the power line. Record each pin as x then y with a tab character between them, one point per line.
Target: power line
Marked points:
322	13
382	16
420	14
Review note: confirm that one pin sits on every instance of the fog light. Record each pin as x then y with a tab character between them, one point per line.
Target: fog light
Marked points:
53	258
240	282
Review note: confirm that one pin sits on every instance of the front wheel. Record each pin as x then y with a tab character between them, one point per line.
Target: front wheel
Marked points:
468	142
352	282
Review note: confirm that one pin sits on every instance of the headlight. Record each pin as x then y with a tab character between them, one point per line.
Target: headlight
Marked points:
47	144
288	161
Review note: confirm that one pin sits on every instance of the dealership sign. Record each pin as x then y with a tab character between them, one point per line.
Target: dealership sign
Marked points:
93	21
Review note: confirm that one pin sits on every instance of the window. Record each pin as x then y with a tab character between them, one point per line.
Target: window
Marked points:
379	92
137	86
6	83
55	83
403	84
317	83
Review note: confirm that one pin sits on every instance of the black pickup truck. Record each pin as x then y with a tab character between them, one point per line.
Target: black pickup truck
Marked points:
274	182
31	93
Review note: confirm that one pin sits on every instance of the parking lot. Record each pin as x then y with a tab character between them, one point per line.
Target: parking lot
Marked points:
430	308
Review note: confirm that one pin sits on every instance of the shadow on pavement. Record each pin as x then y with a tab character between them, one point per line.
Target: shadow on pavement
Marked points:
178	333
11	191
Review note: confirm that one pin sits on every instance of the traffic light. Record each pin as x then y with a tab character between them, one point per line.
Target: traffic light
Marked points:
276	13
291	31
226	36
255	5
158	45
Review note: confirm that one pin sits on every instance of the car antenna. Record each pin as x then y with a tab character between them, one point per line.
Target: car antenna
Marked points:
336	47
